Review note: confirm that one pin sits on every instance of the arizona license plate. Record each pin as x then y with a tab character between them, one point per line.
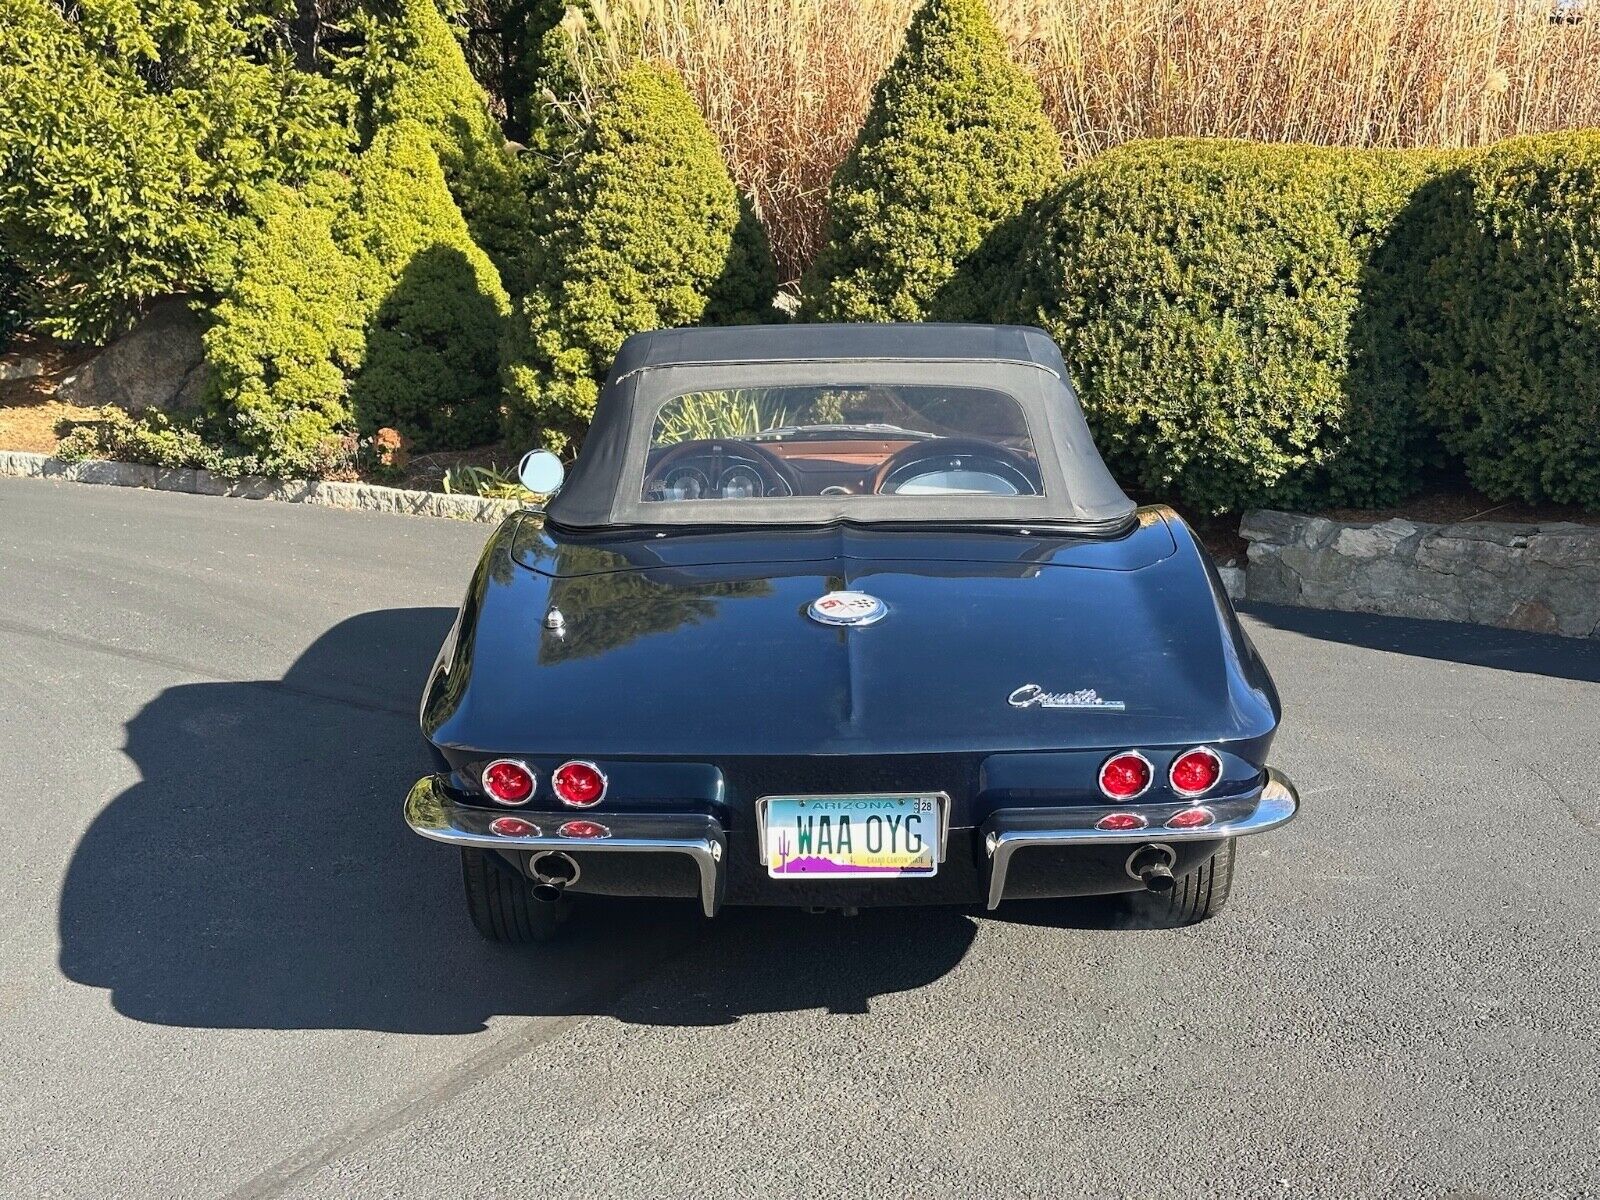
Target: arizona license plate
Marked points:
851	837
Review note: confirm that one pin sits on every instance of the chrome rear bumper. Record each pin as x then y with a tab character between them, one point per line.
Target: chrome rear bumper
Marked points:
431	812
1011	830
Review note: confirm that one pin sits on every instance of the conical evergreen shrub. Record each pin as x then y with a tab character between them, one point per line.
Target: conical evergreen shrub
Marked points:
416	71
644	229
437	308
288	330
956	144
359	302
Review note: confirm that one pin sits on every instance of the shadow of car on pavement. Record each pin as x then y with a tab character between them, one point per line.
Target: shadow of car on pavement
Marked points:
1447	641
259	876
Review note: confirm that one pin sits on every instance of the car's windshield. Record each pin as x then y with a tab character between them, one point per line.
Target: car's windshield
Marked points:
840	440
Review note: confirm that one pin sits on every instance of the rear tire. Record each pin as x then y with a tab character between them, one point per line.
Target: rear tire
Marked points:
1195	897
501	904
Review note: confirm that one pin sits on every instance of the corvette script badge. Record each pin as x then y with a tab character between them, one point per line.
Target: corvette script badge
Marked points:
847	608
1031	695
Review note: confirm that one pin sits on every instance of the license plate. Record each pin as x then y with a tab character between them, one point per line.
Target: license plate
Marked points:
852	837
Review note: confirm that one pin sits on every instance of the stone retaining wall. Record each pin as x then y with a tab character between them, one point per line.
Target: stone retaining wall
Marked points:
366	497
1544	578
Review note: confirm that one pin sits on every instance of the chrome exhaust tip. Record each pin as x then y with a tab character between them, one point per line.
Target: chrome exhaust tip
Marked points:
1152	866
552	872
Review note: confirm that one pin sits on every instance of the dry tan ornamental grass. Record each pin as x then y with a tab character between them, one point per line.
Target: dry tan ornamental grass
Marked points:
785	83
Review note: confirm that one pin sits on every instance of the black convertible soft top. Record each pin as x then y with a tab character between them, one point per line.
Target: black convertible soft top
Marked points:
652	368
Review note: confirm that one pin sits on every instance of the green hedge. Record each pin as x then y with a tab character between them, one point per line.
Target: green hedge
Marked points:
955	145
1511	344
643	229
1299	326
1231	314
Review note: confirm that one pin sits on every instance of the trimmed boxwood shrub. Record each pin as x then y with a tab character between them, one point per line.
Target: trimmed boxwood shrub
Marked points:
1235	313
955	145
432	362
643	229
415	70
1512	349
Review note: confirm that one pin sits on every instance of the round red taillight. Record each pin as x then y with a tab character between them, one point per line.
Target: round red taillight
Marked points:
584	829
1195	772
579	784
508	781
1191	818
513	827
1126	775
1121	820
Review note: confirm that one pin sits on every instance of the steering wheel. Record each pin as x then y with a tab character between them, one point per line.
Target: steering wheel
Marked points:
717	460
957	454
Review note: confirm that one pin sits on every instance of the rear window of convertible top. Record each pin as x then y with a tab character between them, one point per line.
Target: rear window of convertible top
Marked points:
839	440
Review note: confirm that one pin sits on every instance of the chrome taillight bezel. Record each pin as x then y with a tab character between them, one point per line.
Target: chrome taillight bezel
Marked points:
1149	776
533	781
555	787
1185	793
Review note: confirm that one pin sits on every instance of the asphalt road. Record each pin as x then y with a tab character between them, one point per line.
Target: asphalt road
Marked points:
226	970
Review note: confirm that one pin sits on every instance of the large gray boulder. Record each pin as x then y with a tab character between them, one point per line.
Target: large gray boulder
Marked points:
159	363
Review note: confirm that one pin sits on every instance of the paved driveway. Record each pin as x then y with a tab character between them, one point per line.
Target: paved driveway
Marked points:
227	970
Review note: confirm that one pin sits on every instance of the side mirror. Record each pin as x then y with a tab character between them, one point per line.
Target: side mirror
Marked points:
541	472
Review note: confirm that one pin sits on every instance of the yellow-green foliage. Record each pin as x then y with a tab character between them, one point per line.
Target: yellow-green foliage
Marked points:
1512	346
359	303
644	229
432	360
289	330
955	145
550	77
423	76
1230	312
130	138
